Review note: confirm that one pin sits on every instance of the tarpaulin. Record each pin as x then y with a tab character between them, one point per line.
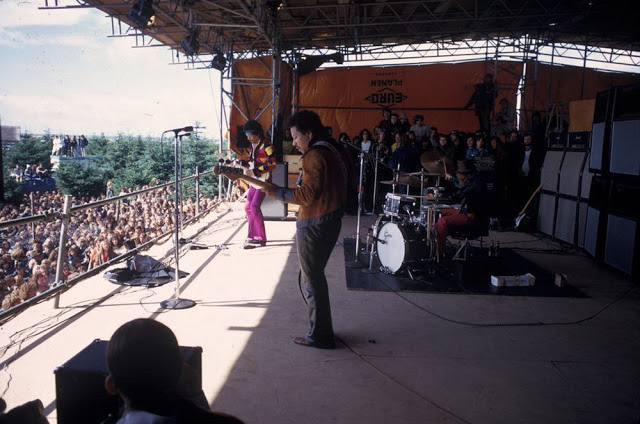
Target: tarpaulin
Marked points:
350	99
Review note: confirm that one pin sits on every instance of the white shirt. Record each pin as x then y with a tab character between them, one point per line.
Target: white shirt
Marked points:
525	163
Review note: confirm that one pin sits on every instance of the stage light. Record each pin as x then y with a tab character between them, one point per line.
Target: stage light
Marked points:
190	44
142	14
311	63
219	62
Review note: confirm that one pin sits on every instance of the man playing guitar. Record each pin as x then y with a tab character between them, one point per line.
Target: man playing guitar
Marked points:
261	162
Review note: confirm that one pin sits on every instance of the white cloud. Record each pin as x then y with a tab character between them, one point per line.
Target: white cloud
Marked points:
15	13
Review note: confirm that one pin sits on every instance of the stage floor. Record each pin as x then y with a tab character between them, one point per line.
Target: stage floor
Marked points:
472	276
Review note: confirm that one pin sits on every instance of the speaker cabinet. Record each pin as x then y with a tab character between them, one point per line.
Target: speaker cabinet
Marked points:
551	170
546	213
622	246
272	208
601	132
80	393
565	225
625	148
570	173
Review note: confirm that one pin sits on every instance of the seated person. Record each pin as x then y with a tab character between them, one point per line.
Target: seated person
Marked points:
147	371
468	188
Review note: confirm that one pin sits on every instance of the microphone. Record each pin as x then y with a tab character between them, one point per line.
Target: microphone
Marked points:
183	129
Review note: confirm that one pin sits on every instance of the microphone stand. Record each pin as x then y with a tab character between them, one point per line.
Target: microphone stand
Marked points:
356	262
174	302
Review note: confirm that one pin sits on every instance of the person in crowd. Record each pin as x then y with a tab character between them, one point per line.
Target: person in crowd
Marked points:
503	121
321	195
419	128
148	372
385	124
365	140
42	172
30	172
530	159
468	190
394	128
262	161
109	192
459	147
82	146
73	147
434	137
17	173
445	148
403	123
484	97
56	146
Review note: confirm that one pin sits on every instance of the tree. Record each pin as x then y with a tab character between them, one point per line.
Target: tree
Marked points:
81	179
29	150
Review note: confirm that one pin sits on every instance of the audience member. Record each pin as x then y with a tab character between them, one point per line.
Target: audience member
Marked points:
148	372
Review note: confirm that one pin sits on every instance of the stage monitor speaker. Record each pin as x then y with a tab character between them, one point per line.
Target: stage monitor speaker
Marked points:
600	133
565	228
550	170
621	243
546	213
80	393
570	173
271	208
625	148
242	141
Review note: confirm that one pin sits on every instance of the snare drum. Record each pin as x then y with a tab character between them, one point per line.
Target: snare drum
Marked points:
401	244
397	204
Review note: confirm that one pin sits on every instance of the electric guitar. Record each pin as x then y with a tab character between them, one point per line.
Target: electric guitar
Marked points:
234	173
523	212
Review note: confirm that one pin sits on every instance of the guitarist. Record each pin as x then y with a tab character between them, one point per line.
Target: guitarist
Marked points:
322	194
261	162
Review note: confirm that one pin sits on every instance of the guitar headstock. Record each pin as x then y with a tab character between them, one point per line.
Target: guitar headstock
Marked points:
228	171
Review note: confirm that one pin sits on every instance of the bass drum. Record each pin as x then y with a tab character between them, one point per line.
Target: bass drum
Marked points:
401	244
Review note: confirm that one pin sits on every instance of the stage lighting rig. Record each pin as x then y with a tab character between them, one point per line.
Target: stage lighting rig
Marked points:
142	14
219	62
190	44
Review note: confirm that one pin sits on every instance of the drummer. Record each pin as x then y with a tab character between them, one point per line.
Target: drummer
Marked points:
468	190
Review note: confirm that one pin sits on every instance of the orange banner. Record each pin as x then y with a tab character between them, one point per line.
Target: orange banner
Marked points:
350	99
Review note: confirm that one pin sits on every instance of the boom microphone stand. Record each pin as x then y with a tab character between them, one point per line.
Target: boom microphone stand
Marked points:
175	302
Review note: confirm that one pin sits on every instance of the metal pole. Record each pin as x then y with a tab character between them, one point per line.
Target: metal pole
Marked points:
33	224
175	302
197	191
356	262
66	217
375	182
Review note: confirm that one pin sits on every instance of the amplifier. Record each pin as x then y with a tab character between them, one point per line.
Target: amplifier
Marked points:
80	393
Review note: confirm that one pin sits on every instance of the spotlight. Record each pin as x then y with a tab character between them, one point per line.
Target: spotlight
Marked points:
219	62
142	14
311	63
190	44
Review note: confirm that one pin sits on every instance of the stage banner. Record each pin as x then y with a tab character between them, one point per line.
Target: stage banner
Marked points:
351	99
252	96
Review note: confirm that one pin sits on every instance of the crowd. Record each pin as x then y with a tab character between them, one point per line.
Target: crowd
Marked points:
515	158
30	172
28	254
72	146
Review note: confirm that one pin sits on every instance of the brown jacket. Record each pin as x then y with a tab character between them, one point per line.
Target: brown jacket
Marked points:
323	190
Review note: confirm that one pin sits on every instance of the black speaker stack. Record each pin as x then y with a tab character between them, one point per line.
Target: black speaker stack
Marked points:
613	213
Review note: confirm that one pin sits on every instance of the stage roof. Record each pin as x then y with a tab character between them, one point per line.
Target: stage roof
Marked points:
354	27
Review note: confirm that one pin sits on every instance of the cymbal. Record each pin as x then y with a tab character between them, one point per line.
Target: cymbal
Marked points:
424	174
409	180
436	162
391	182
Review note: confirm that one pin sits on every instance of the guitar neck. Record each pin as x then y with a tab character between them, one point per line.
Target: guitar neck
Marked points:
238	174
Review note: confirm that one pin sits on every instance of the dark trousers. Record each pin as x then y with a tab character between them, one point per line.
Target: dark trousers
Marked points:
315	244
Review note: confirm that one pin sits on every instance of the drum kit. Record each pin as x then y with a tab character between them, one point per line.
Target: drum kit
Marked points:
405	233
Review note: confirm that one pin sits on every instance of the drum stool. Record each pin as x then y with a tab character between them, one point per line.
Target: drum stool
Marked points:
466	234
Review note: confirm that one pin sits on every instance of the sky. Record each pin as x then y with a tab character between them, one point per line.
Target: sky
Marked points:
60	71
